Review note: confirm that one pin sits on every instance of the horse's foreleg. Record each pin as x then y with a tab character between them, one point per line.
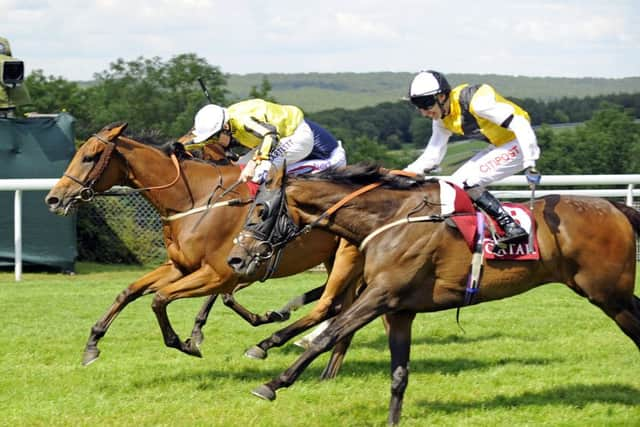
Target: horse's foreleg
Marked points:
399	345
275	315
367	307
150	282
201	319
344	275
204	281
319	313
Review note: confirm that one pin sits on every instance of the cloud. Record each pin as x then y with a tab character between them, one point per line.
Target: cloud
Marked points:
76	38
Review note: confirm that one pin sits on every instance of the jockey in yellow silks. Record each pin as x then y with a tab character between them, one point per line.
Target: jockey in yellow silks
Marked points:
477	111
274	132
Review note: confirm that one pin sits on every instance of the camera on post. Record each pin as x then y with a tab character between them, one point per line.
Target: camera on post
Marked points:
12	91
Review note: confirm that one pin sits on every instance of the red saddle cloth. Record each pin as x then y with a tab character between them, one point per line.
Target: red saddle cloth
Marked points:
253	187
456	200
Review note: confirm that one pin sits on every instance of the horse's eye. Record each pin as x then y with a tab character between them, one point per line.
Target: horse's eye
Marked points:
263	213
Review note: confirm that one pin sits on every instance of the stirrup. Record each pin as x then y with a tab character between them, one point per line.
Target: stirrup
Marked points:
519	235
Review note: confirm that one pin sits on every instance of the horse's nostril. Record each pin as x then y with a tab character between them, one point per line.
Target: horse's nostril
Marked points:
52	201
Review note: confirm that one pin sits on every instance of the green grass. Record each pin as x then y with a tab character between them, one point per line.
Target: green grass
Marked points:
547	357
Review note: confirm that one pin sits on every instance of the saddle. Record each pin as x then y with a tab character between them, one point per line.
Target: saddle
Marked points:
461	212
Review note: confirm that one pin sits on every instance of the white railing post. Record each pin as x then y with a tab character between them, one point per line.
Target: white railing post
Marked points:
17	234
630	195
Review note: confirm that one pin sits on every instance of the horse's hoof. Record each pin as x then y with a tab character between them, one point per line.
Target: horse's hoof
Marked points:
256	352
191	348
278	316
90	356
264	392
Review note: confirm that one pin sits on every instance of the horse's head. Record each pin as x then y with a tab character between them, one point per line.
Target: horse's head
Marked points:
267	229
89	171
215	151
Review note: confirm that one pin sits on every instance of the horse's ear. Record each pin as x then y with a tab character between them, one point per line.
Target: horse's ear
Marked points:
114	130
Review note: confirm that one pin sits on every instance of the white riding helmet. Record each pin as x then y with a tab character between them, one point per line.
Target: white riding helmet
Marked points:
209	121
428	83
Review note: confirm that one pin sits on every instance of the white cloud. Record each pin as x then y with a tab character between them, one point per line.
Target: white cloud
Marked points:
76	38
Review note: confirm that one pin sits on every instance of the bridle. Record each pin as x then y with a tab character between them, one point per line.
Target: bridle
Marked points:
87	193
274	229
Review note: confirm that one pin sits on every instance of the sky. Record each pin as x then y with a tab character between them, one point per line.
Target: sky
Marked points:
74	39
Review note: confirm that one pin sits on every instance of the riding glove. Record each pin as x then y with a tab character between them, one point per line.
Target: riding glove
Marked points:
533	176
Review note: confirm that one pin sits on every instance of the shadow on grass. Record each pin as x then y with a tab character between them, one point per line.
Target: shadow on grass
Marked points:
207	378
575	395
379	343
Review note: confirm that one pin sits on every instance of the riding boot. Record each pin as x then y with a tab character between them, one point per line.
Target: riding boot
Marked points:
512	230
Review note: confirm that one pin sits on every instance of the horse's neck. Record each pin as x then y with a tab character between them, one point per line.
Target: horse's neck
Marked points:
149	167
367	212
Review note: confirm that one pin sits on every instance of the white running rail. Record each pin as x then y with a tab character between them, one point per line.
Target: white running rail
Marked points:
629	180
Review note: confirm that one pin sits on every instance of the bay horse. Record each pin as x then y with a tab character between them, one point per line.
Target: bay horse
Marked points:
196	244
587	243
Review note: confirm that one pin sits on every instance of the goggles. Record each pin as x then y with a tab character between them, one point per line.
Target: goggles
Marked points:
424	102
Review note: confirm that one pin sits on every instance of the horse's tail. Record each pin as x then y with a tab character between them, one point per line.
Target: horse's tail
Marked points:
632	214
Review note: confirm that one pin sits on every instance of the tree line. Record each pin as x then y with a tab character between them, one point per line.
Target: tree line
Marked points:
152	94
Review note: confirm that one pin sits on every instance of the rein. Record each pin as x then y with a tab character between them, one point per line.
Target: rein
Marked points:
350	197
174	160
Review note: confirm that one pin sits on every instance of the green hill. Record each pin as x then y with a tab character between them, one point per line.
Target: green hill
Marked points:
323	91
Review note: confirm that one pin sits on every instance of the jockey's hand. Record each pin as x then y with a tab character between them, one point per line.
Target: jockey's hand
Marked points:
532	175
262	172
248	171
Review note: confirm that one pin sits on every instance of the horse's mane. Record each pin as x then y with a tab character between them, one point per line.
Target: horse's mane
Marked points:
155	138
362	174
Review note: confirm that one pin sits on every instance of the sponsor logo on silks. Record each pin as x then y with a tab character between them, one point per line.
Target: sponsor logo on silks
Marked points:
499	160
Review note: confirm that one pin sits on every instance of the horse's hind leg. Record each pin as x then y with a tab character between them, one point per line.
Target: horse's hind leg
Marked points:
150	282
617	301
337	358
201	319
628	319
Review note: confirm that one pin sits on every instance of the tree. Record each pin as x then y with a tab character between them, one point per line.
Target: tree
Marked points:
263	92
151	94
608	143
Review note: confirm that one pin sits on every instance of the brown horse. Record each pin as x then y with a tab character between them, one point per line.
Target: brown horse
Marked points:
197	244
586	243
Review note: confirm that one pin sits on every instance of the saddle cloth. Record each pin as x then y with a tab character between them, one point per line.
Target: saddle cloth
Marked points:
456	202
253	187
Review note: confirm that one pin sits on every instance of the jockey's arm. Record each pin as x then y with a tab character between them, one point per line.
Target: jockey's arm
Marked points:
267	133
434	152
503	114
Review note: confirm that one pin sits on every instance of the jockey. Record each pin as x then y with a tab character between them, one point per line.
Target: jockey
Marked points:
274	132
477	111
